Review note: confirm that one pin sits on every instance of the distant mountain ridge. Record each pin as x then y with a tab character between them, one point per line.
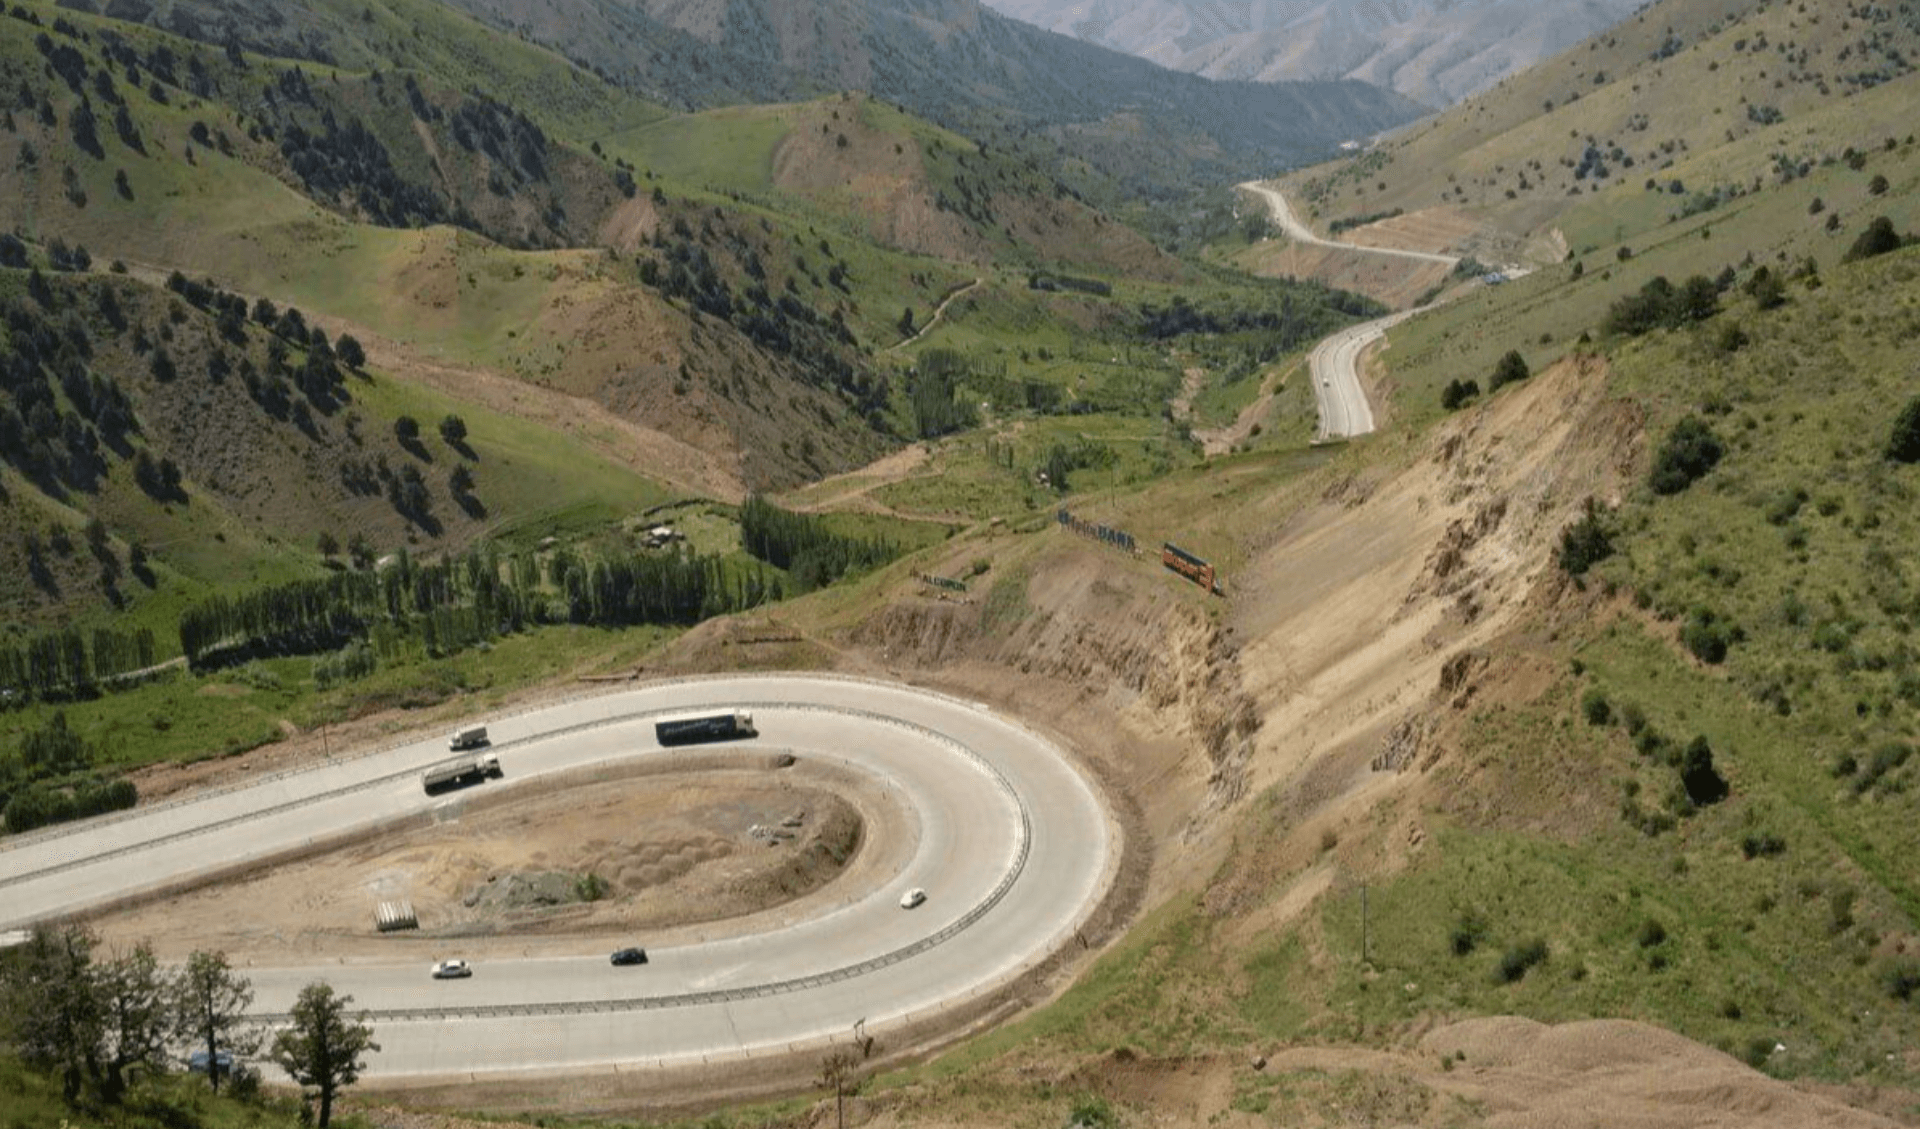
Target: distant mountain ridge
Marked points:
1434	51
960	64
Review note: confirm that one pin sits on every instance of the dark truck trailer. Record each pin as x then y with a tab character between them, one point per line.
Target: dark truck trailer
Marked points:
711	727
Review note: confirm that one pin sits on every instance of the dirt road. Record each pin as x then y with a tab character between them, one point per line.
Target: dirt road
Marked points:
1293	229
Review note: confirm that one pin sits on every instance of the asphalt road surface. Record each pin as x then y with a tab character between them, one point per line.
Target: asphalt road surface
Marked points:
1013	848
1334	366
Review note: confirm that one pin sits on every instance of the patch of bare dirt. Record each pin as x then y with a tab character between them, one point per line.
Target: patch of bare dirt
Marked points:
854	489
1441	230
671	852
1394	281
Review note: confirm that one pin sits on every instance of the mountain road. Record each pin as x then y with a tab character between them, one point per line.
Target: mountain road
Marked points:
1334	367
1013	845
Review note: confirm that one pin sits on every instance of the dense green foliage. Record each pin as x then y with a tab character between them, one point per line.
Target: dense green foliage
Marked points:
803	544
1512	369
71	663
1458	393
98	1025
460	601
932	394
1688	452
51	778
323	1048
1878	239
1586	542
1660	305
1903	445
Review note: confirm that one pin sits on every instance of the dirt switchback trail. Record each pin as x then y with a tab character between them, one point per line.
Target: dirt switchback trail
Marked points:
938	313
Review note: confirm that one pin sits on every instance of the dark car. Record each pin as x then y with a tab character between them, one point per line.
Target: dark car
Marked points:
197	1062
630	956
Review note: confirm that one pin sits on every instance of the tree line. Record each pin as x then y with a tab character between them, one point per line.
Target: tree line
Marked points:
811	552
96	1024
933	388
461	601
70	663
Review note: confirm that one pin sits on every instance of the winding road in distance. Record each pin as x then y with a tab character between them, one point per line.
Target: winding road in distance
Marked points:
1334	366
1014	847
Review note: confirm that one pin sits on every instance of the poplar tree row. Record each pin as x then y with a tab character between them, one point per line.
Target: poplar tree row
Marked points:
70	663
453	604
806	546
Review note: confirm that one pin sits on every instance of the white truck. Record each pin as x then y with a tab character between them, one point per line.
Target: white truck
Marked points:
460	772
472	737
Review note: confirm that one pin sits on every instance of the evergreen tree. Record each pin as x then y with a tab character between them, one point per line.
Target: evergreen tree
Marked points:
209	1005
323	1050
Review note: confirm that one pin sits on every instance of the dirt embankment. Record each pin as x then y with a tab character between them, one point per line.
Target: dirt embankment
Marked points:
1139	676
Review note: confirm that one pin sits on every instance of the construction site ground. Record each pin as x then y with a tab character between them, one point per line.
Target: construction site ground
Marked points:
682	857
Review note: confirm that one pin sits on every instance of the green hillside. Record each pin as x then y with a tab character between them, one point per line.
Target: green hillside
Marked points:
1688	98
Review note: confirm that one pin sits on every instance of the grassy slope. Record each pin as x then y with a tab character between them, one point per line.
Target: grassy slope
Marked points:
1664	114
1786	949
1789	948
231	534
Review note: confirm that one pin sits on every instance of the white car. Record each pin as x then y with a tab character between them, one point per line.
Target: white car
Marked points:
912	898
452	970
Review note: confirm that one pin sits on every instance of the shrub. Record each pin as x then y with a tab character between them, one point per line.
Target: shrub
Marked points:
1651	933
1595	708
1885	759
1766	289
1903	446
1659	305
1709	636
1703	782
1092	1113
1585	543
1689	451
1763	844
1467	934
1515	962
1878	239
1511	369
1901	978
1456	394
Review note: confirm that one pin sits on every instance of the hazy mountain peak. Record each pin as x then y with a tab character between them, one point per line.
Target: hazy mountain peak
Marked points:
1435	51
